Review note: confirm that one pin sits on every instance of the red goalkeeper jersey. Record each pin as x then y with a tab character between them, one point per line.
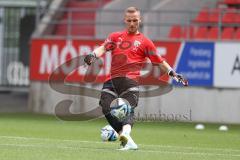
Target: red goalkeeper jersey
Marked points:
129	53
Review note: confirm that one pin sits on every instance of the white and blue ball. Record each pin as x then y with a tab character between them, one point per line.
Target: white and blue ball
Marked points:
120	108
108	134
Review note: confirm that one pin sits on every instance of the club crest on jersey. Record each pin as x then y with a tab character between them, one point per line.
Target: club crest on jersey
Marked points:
136	44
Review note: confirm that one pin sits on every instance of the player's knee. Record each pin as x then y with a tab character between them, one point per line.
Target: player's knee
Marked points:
132	98
105	107
105	102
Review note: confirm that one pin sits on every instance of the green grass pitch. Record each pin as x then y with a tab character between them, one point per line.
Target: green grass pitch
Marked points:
38	137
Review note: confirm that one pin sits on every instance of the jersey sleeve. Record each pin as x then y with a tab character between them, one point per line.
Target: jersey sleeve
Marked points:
151	52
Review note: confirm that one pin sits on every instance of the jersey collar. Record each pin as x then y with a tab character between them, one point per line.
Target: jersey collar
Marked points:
132	34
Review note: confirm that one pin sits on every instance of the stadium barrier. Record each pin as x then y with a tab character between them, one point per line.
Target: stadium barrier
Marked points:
211	68
201	62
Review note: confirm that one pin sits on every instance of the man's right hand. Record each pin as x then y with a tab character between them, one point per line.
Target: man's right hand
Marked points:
90	58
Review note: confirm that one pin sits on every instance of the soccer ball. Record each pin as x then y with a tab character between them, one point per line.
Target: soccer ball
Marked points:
120	108
108	133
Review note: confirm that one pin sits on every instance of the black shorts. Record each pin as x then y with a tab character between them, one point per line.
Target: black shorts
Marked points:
120	87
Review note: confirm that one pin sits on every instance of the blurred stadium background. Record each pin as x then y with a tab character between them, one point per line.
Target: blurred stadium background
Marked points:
199	38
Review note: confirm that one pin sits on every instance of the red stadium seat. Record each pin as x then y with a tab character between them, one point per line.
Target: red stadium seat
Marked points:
230	16
237	34
83	4
86	4
83	30
230	1
213	33
83	16
61	29
228	33
76	30
237	18
201	33
176	32
214	15
188	32
202	16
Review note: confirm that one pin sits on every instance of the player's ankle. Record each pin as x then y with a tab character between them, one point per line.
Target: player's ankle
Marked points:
126	129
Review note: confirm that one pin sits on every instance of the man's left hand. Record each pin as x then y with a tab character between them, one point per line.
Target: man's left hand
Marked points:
178	78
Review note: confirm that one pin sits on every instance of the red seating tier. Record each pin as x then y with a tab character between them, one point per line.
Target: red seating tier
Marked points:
203	15
85	15
237	34
231	2
227	33
176	32
213	33
230	16
201	33
205	25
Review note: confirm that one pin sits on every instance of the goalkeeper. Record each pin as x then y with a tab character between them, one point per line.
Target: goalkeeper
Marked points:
129	48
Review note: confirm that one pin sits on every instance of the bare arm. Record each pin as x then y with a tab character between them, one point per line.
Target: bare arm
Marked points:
165	67
99	51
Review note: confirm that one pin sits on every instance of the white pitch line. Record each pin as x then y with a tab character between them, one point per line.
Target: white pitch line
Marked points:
110	150
53	147
144	145
193	148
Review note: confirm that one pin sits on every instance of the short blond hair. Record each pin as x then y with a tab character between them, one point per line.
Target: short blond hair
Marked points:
132	10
